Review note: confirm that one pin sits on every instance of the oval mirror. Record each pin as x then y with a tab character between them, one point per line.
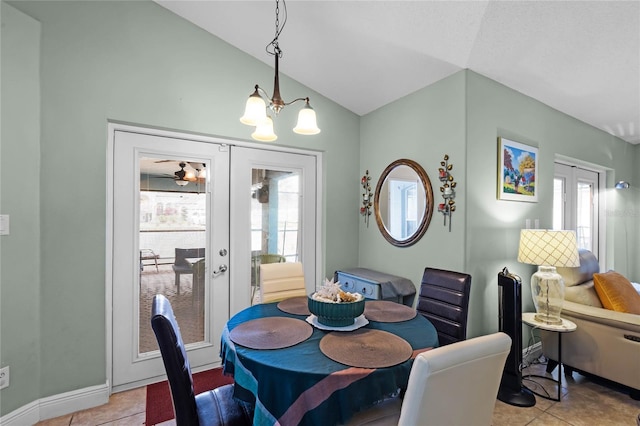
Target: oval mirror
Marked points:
403	202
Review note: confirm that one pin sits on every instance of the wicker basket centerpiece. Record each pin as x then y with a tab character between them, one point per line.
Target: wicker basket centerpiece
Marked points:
334	307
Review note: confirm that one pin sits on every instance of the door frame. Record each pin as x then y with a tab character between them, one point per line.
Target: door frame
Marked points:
112	128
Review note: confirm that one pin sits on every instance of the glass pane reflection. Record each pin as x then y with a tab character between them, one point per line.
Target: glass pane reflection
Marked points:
172	240
275	220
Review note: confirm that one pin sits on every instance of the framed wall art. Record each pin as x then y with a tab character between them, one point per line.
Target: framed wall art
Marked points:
517	171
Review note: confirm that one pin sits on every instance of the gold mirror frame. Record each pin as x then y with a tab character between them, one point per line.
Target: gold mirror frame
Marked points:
428	210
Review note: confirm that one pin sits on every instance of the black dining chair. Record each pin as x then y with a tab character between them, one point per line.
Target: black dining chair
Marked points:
215	407
181	263
444	300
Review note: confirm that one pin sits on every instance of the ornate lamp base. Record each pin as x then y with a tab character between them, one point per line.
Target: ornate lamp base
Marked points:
547	291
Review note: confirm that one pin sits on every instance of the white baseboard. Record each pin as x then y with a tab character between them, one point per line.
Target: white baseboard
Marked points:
26	415
57	405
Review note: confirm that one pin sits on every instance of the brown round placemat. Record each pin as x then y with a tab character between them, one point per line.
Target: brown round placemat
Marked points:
298	305
366	348
387	311
271	333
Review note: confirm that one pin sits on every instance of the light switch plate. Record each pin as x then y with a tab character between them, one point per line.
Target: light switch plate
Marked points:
4	224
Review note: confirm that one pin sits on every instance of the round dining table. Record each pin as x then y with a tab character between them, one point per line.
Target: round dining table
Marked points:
300	385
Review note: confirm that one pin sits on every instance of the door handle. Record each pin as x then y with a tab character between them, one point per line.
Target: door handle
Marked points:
222	268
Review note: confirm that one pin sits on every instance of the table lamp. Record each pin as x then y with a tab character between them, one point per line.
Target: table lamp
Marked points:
548	249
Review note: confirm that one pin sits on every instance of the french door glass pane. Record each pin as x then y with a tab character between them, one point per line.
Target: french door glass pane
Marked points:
584	218
172	240
576	204
275	213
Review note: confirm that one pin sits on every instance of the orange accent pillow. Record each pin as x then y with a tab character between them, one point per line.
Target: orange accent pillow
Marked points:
616	292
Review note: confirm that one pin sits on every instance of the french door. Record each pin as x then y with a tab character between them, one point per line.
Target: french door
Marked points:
576	204
275	199
170	237
192	219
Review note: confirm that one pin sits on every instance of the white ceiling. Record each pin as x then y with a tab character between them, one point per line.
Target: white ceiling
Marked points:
579	57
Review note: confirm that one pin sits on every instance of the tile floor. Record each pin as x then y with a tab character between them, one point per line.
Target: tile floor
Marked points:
585	402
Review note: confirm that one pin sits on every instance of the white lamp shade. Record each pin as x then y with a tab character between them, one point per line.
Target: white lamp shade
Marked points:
181	182
254	111
264	131
307	122
549	248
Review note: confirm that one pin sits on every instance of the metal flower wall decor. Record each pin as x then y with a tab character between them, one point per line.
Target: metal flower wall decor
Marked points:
447	189
365	208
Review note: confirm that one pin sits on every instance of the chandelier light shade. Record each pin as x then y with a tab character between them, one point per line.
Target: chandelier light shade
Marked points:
548	249
255	110
307	121
255	113
264	131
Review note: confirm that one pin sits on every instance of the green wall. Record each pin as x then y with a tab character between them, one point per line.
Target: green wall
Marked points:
20	315
493	225
69	67
423	126
628	215
134	62
463	116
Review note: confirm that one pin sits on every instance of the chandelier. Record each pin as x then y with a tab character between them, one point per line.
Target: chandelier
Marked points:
255	113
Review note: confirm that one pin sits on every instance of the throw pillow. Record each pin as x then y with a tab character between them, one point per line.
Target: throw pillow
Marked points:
616	292
588	266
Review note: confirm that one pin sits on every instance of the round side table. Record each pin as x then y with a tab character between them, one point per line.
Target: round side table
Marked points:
566	327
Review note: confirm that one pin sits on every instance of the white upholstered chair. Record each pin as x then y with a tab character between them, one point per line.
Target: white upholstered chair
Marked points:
455	384
279	281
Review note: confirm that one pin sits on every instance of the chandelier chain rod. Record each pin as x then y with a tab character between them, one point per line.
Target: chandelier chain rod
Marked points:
276	47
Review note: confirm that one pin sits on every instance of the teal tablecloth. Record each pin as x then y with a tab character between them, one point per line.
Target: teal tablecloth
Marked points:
300	385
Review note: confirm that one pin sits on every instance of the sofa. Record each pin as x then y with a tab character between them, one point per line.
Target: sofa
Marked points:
606	343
